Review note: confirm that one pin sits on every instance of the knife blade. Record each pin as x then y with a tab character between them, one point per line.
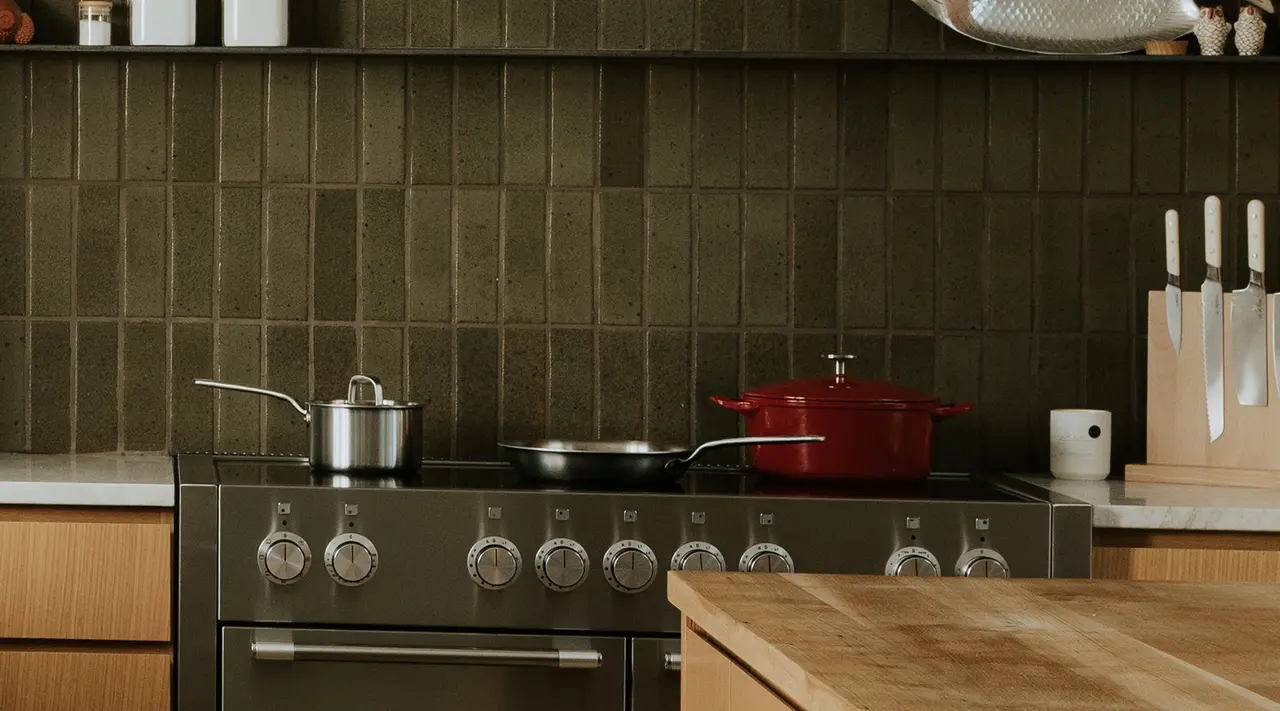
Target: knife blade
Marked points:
1249	320
1173	287
1211	303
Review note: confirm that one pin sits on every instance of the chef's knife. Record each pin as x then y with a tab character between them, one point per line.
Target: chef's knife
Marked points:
1211	301
1173	288
1249	321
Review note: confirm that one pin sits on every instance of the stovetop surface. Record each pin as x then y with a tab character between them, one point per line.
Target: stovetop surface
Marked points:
713	481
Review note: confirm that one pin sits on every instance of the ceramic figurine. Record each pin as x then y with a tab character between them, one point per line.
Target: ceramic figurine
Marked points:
1250	29
15	25
1211	30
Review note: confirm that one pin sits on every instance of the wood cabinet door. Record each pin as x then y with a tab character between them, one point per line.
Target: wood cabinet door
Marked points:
34	679
1186	556
710	681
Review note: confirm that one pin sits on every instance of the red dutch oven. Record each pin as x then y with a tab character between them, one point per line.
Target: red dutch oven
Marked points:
873	430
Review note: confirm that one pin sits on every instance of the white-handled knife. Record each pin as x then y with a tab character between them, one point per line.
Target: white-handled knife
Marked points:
1173	287
1211	301
1249	320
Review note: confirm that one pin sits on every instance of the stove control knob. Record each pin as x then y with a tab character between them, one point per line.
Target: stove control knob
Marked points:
982	563
284	558
912	561
766	558
351	559
561	564
698	555
493	562
630	566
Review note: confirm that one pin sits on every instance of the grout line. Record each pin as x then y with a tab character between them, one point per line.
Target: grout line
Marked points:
74	336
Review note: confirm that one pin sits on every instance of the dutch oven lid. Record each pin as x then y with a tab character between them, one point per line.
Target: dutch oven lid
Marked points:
841	388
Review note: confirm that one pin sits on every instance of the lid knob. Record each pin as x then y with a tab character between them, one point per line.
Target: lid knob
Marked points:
841	362
354	387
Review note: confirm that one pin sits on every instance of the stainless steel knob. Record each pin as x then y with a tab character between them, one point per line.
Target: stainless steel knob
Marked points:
561	564
698	555
283	558
766	558
493	562
630	566
351	559
982	563
912	561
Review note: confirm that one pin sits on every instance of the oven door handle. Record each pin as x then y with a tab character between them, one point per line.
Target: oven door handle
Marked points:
672	661
283	651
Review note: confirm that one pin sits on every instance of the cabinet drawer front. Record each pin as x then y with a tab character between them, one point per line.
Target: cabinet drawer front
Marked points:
85	580
37	680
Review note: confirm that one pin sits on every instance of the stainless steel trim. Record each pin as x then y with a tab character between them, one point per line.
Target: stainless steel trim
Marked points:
672	661
264	650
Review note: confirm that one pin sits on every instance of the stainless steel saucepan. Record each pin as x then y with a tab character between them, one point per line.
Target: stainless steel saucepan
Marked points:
625	462
354	435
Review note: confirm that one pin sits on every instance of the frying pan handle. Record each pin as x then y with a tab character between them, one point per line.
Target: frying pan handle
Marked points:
943	412
306	417
742	407
739	442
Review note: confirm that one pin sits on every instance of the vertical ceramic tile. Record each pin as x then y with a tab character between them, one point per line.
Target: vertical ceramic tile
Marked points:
335	358
765	246
145	404
97	419
430	255
146	249
525	257
1157	137
285	289
524	383
575	24
528	23
524	146
145	117
768	131
382	114
288	120
382	254
1057	279
1106	264
478	378
719	259
335	111
431	123
960	263
239	360
477	226
864	278
1011	149
288	357
768	26
431	25
912	246
1257	131
1006	383
720	115
1060	128
720	24
52	133
1009	290
817	261
621	258
955	43
1146	217
668	386
911	362
912	115
191	421
51	250
670	130
913	29
667	291
337	23
817	127
1108	386
1059	374
866	25
98	119
768	359
958	446
240	142
384	23
479	123
715	373
1208	131
240	253
573	123
963	99
13	121
1108	140
809	355
13	251
866	130
98	250
819	24
193	136
191	265
621	385
382	355
431	382
622	111
671	24
622	24
334	255
50	387
571	412
571	292
479	24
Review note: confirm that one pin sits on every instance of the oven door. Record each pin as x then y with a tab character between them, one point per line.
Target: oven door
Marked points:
322	670
655	666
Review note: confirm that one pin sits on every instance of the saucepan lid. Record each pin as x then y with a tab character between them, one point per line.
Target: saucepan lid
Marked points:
353	400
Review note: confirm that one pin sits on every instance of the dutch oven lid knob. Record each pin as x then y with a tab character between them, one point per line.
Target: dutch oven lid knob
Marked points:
353	388
841	362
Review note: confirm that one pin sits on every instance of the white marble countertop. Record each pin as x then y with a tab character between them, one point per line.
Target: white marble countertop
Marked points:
86	479
1121	504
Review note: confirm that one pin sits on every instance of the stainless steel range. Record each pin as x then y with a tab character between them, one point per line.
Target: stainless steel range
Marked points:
464	586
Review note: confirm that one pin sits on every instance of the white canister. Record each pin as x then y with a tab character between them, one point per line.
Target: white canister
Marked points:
1080	444
169	23
255	23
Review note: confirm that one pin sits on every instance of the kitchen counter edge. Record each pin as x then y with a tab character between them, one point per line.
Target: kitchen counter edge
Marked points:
108	480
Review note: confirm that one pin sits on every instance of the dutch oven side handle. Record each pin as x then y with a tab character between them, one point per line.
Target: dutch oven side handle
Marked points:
741	407
944	412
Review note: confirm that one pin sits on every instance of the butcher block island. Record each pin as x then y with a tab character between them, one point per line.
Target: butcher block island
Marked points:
766	642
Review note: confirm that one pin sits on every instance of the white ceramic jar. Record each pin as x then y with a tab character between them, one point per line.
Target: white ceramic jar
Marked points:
170	23
255	23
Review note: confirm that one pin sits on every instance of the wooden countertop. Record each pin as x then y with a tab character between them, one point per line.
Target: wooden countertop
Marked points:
872	643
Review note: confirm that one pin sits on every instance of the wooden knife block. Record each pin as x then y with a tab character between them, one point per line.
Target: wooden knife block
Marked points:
1178	446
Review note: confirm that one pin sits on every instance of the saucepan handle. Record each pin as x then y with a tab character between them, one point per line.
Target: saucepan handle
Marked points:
943	412
256	391
742	442
743	407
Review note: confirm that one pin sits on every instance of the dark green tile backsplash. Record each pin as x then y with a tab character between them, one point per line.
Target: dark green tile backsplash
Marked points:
584	248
